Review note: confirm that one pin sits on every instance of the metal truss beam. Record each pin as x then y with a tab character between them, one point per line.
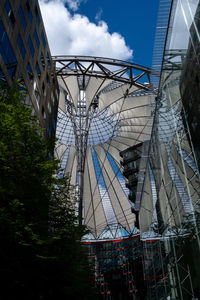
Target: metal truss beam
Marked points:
117	70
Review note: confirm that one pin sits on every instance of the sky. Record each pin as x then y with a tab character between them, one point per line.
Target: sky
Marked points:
120	29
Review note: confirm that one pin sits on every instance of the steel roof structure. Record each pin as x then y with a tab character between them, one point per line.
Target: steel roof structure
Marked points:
105	106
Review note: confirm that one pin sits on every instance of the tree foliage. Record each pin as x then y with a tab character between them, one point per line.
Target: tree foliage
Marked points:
41	256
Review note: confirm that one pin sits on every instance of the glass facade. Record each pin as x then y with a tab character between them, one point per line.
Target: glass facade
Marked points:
174	156
36	38
10	12
30	16
43	39
37	68
7	52
22	18
21	56
30	72
30	44
21	46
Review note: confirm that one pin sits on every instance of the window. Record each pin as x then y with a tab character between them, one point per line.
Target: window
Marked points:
48	80
31	46
43	39
37	94
22	18
42	60
29	12
21	46
48	60
36	38
37	15
6	52
37	68
43	113
43	89
30	72
10	12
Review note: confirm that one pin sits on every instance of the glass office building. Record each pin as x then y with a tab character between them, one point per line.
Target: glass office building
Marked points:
174	153
25	55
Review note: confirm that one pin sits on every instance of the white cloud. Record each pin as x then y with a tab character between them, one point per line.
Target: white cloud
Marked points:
75	35
73	4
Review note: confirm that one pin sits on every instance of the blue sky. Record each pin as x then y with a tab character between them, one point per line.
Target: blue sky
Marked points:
135	21
117	29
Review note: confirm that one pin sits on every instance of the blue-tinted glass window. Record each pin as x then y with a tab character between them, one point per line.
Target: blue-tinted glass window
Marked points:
6	52
21	46
37	15
43	89
36	38
22	18
48	60
43	39
30	16
37	68
42	60
9	12
48	80
8	7
30	44
30	72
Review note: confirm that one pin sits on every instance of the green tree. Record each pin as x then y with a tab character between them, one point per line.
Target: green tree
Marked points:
41	256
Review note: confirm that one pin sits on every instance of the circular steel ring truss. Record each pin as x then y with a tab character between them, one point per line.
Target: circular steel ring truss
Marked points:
117	70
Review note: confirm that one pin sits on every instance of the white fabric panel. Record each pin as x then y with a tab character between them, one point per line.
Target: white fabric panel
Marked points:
136	122
146	209
134	136
128	142
114	95
126	132
117	196
130	103
70	160
93	206
60	150
137	112
95	85
70	84
113	152
117	145
145	128
62	101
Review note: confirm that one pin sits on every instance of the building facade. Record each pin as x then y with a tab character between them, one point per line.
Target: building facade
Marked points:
174	154
25	55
